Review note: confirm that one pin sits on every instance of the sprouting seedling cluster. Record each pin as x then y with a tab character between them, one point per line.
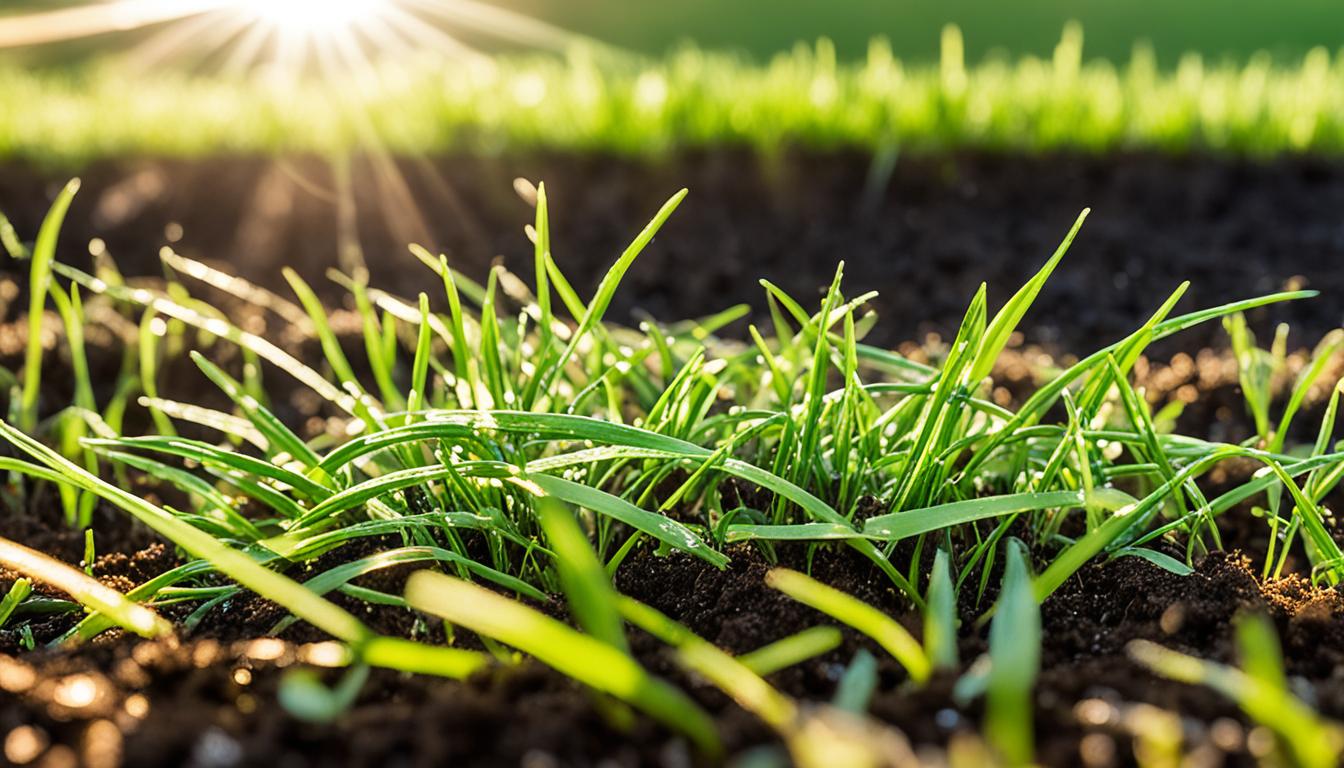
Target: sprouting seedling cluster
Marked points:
496	436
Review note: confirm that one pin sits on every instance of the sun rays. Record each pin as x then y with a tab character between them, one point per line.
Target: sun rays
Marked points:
283	38
338	53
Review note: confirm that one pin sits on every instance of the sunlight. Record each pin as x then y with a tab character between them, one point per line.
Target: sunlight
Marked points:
312	18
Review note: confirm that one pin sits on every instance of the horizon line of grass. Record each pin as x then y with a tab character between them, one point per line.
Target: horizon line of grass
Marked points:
592	100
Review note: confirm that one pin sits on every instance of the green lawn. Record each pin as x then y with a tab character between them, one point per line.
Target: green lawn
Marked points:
694	98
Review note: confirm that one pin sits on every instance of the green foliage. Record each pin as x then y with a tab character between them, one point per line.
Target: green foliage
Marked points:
1260	688
1014	657
888	633
522	440
612	102
588	659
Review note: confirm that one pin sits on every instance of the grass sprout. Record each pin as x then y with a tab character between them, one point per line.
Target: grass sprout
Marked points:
1260	688
888	633
85	589
1014	657
587	659
517	443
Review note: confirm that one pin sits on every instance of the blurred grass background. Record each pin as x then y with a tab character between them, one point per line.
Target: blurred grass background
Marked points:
1229	29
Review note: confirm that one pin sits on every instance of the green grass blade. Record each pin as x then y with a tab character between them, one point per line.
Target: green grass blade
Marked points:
940	615
855	613
586	583
1014	651
242	568
586	659
1311	741
1006	320
606	289
39	281
85	589
729	675
857	684
791	650
662	528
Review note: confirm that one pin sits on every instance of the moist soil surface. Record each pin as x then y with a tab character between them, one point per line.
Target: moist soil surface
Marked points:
924	237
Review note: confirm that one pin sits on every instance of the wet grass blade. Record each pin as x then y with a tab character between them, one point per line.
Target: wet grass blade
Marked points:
659	527
605	290
380	651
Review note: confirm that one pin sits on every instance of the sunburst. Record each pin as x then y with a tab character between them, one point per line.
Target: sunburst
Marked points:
337	48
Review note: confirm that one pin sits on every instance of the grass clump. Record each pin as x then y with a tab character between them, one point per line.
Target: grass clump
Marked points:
519	445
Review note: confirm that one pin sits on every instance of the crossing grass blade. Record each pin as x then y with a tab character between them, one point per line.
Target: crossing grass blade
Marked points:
85	589
851	611
379	651
587	659
1260	690
585	582
730	675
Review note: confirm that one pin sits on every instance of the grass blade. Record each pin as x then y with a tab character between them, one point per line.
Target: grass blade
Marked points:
584	658
855	613
1014	651
85	589
586	583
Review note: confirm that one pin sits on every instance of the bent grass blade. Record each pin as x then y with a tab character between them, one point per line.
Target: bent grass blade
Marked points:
586	659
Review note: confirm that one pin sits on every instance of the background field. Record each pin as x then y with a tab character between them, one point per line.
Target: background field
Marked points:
1235	28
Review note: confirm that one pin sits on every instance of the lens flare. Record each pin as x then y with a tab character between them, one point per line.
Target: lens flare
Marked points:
312	18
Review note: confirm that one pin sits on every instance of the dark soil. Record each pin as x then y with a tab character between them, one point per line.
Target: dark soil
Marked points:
925	239
210	699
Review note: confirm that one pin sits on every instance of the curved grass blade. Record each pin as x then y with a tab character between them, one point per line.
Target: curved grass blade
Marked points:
855	613
1005	321
584	658
216	457
85	589
39	282
791	650
330	618
1311	741
343	574
586	583
662	528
